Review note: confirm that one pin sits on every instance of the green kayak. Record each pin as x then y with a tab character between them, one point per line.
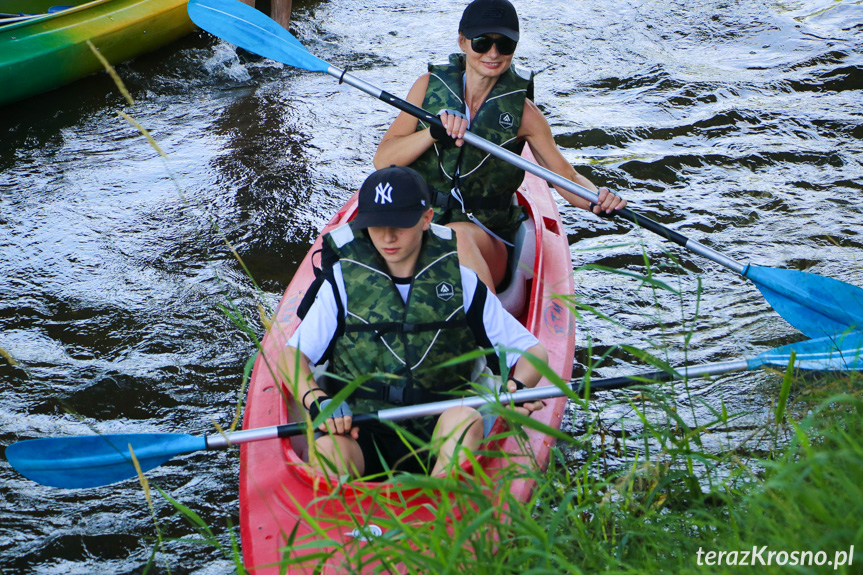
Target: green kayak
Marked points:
43	43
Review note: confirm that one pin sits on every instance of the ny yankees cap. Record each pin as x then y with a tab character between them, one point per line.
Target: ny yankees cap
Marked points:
489	17
394	197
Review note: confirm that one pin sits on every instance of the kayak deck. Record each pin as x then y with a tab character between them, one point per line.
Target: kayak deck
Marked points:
278	488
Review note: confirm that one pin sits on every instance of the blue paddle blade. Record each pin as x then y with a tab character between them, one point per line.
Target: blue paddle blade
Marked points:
94	460
252	30
842	352
814	304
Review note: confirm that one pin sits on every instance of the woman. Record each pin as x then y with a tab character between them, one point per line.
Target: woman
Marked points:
480	90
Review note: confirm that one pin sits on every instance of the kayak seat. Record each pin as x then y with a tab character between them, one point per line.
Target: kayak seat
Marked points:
514	295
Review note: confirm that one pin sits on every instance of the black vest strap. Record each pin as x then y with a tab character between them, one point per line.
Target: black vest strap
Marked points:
407	395
323	273
402	327
447	201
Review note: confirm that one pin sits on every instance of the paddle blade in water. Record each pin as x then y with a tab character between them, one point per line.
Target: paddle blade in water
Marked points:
252	30
94	460
814	304
841	352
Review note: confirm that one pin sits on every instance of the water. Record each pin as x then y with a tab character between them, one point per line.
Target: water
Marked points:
736	123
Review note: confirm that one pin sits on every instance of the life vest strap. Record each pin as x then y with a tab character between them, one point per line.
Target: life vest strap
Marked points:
383	328
404	395
447	201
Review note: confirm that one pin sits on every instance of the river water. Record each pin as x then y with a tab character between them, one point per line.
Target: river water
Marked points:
737	123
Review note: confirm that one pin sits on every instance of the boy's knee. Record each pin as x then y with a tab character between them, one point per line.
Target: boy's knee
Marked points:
459	419
338	454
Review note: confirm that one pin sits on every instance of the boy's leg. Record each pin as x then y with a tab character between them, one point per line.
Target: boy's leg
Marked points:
457	426
342	455
339	455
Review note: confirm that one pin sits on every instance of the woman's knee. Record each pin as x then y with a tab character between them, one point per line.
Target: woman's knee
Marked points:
468	233
480	251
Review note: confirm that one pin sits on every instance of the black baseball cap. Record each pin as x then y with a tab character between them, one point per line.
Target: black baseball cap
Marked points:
394	197
489	16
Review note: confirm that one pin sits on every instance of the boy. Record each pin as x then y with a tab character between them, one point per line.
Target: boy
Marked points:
398	302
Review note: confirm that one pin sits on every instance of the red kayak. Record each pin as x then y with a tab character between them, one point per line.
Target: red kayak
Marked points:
288	511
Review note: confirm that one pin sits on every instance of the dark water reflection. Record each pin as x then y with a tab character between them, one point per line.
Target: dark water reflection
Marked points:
736	123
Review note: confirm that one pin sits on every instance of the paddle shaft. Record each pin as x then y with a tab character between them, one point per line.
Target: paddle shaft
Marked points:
88	461
796	295
477	401
528	166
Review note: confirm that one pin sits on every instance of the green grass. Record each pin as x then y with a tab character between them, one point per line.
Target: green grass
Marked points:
647	518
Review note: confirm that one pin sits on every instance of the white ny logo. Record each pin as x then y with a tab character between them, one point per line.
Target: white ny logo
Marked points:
384	194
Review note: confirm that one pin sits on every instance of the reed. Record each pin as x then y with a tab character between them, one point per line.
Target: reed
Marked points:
641	518
670	504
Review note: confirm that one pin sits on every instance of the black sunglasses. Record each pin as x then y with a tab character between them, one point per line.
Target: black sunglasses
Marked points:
482	44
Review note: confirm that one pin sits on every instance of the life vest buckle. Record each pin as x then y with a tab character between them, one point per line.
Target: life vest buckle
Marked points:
394	394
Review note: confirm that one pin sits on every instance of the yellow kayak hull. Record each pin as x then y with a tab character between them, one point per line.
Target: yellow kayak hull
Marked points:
42	50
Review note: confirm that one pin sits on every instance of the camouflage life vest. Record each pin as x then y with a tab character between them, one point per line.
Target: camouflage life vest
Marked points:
383	334
487	184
